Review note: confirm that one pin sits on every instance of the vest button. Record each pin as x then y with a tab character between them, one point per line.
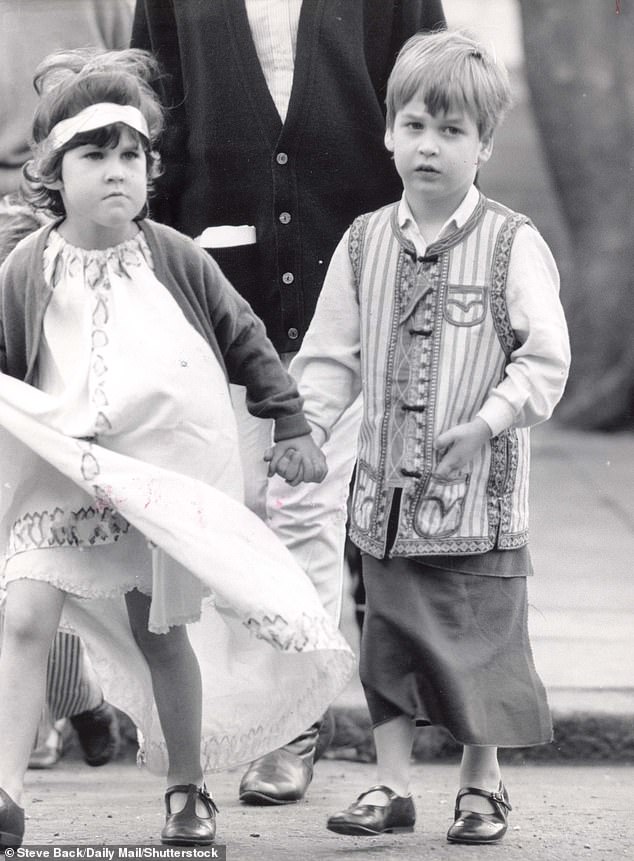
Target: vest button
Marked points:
293	334
285	217
288	278
281	158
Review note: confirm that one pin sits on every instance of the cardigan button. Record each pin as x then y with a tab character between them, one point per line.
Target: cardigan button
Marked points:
281	158
285	217
288	278
293	333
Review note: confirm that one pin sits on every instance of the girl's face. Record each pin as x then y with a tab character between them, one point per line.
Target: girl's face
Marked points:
103	189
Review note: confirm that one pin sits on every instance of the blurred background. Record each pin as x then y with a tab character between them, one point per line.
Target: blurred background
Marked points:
565	157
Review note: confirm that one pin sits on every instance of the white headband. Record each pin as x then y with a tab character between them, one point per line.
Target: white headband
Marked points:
96	117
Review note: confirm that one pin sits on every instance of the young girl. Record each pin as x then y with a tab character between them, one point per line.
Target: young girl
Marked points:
121	476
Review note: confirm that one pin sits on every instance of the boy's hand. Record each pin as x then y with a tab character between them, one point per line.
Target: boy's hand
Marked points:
460	444
296	460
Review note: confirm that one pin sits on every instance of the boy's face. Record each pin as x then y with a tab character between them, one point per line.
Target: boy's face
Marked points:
437	157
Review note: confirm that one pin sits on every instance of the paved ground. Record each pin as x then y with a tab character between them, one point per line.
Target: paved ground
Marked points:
560	813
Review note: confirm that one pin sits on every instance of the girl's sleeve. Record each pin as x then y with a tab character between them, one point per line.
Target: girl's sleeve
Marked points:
251	359
328	365
536	374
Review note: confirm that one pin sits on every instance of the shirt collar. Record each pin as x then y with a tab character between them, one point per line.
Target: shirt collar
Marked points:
456	220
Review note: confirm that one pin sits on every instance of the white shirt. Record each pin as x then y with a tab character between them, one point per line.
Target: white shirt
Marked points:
273	26
456	220
534	378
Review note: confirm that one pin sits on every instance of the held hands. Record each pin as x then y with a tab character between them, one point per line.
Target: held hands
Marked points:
459	445
296	460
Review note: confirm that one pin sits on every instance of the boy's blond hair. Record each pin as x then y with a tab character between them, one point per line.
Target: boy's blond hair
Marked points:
449	69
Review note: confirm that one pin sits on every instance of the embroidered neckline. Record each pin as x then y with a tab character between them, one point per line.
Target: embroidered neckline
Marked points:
125	245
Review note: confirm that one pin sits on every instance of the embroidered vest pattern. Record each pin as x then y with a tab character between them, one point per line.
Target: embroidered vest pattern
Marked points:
432	348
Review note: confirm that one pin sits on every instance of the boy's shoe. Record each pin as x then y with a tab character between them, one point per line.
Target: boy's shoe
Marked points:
365	820
98	733
11	822
472	827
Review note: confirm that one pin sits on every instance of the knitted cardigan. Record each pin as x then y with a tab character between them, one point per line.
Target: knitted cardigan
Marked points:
229	160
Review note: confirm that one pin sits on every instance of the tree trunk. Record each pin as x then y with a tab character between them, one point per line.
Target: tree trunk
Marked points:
580	70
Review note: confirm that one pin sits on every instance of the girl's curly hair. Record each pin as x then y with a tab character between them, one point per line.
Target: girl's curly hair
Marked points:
69	81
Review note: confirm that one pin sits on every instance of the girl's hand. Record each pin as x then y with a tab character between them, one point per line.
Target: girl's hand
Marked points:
460	444
296	460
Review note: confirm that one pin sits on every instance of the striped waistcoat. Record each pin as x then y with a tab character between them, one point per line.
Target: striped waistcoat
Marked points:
435	339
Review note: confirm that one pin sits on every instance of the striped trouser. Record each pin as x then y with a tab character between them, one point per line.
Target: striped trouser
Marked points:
71	684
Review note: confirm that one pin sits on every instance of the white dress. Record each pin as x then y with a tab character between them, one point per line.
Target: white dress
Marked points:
121	470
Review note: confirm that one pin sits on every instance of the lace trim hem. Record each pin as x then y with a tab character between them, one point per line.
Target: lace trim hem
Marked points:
228	750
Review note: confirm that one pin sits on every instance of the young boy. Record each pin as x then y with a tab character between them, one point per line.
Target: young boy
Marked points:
443	310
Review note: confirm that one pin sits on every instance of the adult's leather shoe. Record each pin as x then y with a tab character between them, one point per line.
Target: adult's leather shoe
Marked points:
283	776
280	777
186	827
398	815
11	822
472	827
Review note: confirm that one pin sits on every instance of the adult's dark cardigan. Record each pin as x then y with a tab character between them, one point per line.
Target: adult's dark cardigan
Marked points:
229	160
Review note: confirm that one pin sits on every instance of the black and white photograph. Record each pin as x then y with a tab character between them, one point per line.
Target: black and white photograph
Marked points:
317	429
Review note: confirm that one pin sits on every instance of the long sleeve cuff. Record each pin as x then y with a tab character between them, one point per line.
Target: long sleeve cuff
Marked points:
287	427
498	414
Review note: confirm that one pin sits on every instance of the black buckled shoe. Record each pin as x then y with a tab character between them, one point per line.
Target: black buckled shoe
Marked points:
98	733
11	822
472	827
186	827
398	815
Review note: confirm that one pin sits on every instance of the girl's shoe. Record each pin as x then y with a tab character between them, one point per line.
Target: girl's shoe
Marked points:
186	827
472	827
11	822
371	819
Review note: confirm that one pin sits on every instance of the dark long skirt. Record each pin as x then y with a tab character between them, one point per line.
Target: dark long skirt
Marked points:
451	649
